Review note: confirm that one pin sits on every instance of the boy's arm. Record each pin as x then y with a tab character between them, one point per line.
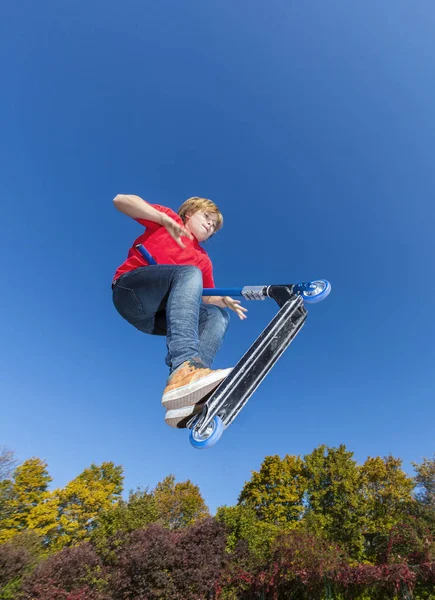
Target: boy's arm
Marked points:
137	208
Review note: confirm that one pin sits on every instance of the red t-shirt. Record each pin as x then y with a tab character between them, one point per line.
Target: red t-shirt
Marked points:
166	251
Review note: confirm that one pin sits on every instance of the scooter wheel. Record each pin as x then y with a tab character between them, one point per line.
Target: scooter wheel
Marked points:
212	434
317	291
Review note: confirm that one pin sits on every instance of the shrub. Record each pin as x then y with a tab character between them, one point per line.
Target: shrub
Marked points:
72	574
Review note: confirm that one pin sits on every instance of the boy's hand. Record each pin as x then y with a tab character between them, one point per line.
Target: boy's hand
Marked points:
235	306
175	230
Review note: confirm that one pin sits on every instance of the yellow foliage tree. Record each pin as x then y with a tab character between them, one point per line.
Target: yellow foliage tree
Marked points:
26	490
68	516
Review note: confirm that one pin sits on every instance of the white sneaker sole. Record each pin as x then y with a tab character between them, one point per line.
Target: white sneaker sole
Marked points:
175	416
191	394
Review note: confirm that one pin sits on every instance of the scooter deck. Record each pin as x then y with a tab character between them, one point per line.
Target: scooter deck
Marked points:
234	392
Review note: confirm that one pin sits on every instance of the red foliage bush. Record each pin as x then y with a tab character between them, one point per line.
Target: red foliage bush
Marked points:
201	552
385	580
71	574
144	566
296	569
412	541
156	563
13	562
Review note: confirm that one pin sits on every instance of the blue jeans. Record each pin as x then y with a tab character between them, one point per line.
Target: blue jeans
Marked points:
166	300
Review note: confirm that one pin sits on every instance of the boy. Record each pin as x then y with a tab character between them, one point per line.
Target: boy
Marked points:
165	299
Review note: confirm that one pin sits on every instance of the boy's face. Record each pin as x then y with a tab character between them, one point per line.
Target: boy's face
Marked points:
201	223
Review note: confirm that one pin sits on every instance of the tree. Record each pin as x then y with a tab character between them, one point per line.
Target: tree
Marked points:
71	574
6	508
425	481
179	504
69	515
300	565
20	496
123	517
386	490
335	507
13	563
144	566
243	525
201	549
7	463
17	557
156	563
44	518
276	491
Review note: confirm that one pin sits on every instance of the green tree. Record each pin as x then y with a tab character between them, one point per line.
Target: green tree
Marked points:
179	504
386	490
276	491
128	515
125	516
335	507
26	490
425	481
243	525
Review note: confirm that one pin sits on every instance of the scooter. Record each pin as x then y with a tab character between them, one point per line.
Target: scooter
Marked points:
225	403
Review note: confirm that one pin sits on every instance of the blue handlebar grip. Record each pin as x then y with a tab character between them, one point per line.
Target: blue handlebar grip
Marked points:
147	256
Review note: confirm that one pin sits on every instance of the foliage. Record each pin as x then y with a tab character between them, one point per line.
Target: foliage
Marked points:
179	504
7	463
425	481
156	563
411	541
201	550
386	491
137	512
69	515
13	562
301	562
383	582
312	528
70	574
17	557
6	508
144	565
243	525
335	506
26	491
296	568
277	490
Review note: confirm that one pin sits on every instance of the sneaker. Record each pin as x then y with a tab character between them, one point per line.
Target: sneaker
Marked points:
188	384
179	417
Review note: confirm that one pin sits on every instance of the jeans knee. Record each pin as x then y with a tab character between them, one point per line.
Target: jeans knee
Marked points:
220	315
189	272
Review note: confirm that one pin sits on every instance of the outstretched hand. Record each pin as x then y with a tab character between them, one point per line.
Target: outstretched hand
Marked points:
236	306
175	230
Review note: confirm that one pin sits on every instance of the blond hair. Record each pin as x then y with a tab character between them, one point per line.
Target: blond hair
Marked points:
192	205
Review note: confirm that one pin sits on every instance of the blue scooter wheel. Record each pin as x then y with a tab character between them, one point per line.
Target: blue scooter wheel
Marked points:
212	434
317	291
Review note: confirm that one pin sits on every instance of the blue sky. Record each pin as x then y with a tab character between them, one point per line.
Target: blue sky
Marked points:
311	125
